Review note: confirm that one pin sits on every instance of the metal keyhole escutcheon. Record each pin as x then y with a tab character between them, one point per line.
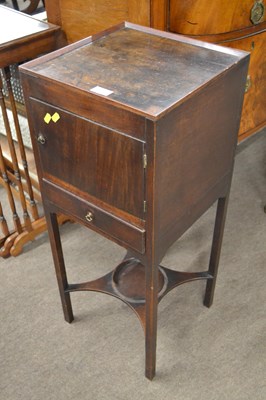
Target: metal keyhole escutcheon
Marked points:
41	139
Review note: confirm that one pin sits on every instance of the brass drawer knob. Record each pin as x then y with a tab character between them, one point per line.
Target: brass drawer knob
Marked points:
41	139
257	12
89	216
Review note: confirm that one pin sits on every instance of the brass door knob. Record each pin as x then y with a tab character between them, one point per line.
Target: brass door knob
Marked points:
41	139
89	216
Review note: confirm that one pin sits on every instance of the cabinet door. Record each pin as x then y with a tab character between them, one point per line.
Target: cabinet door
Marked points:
76	153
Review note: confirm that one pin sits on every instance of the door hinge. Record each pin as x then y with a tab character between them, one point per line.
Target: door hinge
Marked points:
144	206
144	160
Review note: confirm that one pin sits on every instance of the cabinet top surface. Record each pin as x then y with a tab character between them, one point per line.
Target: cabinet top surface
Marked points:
16	26
138	68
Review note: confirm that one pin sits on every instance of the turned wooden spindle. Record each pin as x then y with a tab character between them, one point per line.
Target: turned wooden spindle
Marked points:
33	205
3	223
6	182
29	9
26	217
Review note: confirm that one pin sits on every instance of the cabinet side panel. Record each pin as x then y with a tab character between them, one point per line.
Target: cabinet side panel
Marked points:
194	153
80	18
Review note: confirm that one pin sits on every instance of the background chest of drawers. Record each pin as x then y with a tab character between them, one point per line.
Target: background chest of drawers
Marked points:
236	24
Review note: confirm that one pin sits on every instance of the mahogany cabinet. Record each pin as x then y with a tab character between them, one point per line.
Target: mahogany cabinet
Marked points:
134	132
236	23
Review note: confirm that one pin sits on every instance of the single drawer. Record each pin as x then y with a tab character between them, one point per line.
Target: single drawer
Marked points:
99	220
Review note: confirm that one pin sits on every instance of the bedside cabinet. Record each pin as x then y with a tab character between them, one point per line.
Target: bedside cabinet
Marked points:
134	132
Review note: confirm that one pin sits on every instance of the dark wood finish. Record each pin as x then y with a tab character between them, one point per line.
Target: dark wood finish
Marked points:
21	38
142	163
216	249
111	177
53	229
227	23
110	221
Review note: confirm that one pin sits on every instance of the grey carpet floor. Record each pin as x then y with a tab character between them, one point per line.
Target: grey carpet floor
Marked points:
202	354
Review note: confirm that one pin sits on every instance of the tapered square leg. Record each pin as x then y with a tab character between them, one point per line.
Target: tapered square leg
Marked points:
151	319
56	246
216	249
150	343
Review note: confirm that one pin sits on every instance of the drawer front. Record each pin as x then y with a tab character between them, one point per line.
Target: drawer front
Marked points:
95	218
98	161
205	17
